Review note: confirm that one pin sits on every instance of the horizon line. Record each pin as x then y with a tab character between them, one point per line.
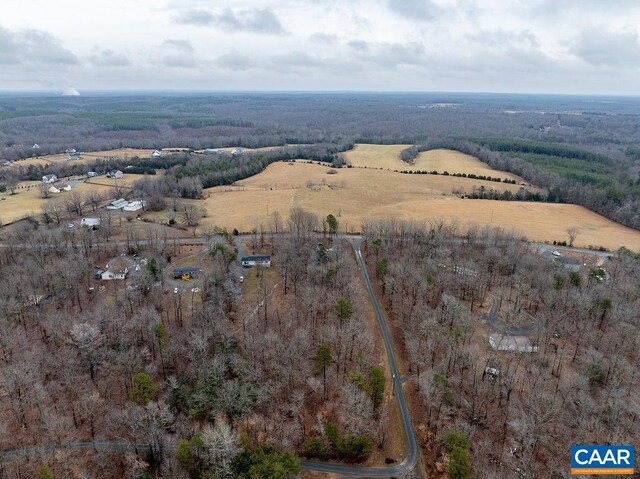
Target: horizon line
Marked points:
177	91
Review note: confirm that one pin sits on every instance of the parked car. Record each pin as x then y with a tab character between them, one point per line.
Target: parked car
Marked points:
556	253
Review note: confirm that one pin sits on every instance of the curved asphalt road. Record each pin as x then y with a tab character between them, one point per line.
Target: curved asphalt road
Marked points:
325	467
333	468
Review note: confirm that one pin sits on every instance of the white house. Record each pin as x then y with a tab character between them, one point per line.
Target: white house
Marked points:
115	174
49	179
53	189
113	275
35	146
237	151
116	269
248	261
70	151
520	344
156	154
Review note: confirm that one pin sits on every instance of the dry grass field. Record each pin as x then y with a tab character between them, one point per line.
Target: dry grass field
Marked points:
229	149
375	156
88	157
357	195
388	158
127	180
28	202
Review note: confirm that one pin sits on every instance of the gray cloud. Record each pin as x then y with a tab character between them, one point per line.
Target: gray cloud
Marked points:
424	10
178	44
254	20
600	47
359	45
323	38
178	53
504	39
179	61
295	61
195	16
33	46
236	62
389	55
109	58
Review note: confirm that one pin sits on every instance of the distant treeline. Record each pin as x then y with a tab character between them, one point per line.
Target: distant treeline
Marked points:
458	175
583	150
613	192
223	169
549	149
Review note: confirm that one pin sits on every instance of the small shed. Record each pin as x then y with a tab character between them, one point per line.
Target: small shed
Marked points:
134	206
91	223
117	204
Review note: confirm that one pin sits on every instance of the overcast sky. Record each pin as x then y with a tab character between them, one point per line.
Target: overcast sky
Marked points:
545	46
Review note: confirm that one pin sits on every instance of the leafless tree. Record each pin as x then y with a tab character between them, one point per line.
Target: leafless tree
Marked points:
572	233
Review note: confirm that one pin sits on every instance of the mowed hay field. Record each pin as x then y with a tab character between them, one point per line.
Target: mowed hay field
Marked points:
440	160
28	202
88	157
357	195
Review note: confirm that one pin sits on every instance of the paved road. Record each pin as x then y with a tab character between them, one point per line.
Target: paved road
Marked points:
411	457
340	469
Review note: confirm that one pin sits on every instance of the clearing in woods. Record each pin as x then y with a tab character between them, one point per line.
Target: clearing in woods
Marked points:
88	157
357	195
388	157
28	201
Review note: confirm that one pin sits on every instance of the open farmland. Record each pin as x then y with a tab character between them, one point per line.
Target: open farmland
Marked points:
127	180
388	157
375	156
358	195
88	157
229	149
28	201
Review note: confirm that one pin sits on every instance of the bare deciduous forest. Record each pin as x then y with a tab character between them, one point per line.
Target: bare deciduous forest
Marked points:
520	410
584	150
113	359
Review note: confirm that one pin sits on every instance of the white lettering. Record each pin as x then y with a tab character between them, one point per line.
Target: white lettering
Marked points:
623	455
609	457
581	451
595	457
